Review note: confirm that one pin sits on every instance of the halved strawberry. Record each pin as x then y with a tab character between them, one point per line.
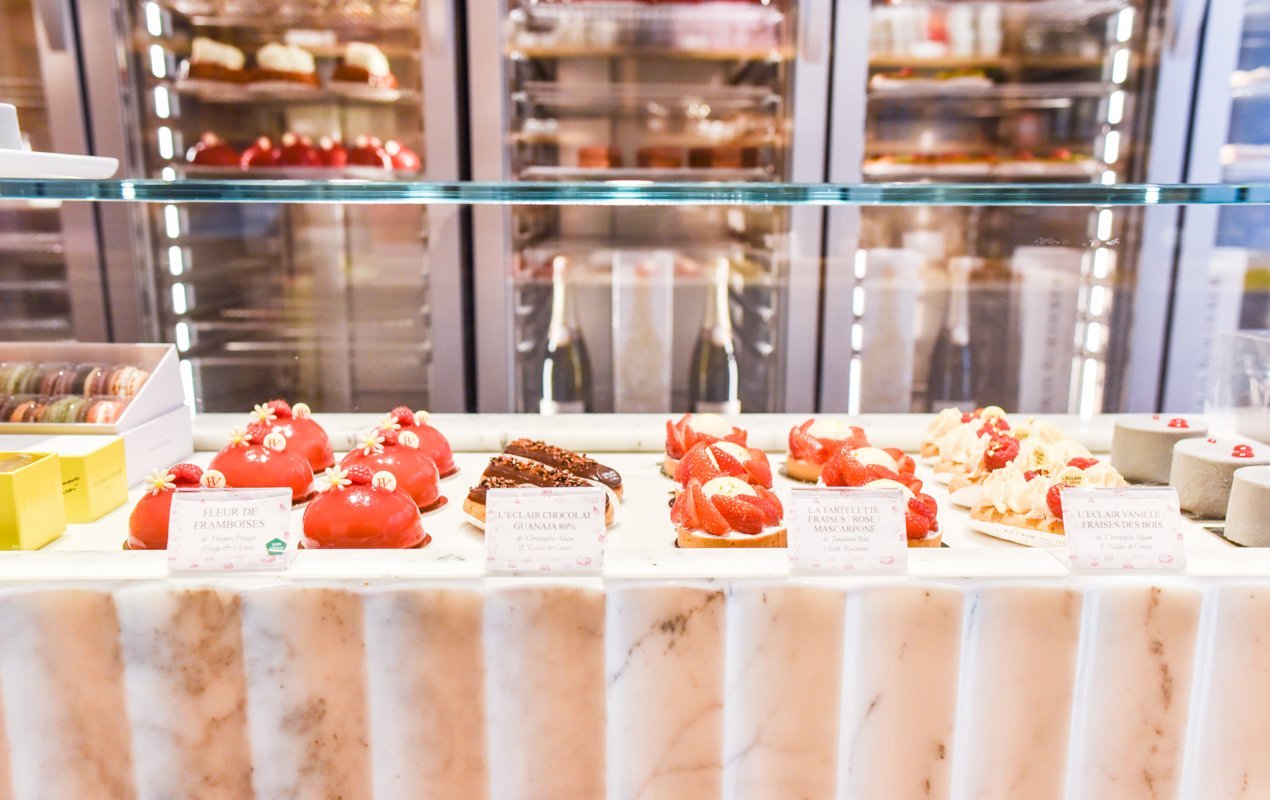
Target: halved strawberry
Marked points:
712	522
916	526
683	513
742	516
924	504
772	505
675	446
913	483
759	470
727	463
843	470
805	447
696	464
1053	500
904	464
1082	463
186	474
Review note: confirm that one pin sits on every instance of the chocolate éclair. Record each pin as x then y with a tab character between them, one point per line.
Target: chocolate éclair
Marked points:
576	464
506	472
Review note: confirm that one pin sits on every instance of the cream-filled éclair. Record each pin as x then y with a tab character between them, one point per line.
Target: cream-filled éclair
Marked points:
728	512
1031	499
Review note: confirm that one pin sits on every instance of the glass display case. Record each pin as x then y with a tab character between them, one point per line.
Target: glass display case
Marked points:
345	304
634	92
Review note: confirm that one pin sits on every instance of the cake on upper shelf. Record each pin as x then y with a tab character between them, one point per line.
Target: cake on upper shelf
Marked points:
211	60
1142	444
285	63
365	64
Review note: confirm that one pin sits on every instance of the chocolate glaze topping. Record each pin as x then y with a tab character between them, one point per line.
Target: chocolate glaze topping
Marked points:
504	472
567	460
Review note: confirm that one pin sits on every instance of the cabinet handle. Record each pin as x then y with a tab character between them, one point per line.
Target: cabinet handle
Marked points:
54	15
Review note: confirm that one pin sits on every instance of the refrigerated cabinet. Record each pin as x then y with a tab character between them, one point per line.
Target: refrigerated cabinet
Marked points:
629	93
344	307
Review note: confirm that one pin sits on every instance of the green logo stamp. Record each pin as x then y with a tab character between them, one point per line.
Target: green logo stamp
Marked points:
276	547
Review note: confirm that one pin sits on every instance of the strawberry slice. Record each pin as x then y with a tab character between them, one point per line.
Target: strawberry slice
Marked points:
765	509
737	436
683	513
879	472
727	463
1053	500
742	516
675	445
695	464
1082	463
712	521
760	471
805	447
843	470
923	505
913	483
905	464
776	512
916	526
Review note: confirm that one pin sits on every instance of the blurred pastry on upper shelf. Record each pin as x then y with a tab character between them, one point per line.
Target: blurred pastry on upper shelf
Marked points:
661	157
365	64
599	157
286	63
211	60
722	156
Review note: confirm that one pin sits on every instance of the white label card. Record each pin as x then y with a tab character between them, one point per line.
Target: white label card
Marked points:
1127	528
846	530
545	530
230	530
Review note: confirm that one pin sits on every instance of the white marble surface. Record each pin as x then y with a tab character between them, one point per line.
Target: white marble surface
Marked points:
665	679
903	645
1015	697
545	692
187	694
782	711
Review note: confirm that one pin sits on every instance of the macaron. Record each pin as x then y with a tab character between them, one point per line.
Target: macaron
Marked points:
14	376
68	408
126	380
104	410
47	377
24	408
96	380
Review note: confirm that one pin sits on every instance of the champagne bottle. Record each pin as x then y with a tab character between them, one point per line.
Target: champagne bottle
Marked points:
716	380
566	368
951	380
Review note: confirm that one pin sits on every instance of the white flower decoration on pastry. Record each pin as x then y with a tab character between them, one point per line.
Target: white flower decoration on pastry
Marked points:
336	478
389	423
264	413
372	442
239	437
159	480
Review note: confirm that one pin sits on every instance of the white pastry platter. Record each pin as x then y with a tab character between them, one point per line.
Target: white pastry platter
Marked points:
1012	533
27	164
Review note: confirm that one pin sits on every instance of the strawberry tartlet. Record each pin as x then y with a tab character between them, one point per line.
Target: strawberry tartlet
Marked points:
1018	504
691	429
431	441
256	458
709	460
812	443
148	524
305	437
921	523
360	509
727	512
386	450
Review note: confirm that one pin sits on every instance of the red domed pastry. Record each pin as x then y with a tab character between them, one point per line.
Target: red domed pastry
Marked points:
386	450
369	152
297	151
212	151
694	428
260	153
265	465
148	525
812	443
431	441
305	437
332	153
362	510
403	158
709	460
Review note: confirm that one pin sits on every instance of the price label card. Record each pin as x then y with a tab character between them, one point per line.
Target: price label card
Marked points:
846	530
545	530
1127	528
230	530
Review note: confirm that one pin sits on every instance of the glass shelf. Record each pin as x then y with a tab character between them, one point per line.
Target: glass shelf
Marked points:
563	193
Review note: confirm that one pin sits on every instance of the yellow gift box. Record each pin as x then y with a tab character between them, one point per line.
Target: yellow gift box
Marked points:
32	512
94	471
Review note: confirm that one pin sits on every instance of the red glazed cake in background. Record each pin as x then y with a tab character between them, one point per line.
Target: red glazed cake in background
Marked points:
431	441
148	523
386	450
257	458
305	437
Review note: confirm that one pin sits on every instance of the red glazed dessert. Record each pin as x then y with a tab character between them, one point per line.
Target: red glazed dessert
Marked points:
431	441
297	151
257	458
332	153
260	153
362	510
727	512
386	450
148	525
305	437
920	518
709	460
691	429
369	152
812	443
403	158
212	151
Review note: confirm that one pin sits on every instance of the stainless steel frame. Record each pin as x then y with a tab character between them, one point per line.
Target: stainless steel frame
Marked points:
1189	349
112	110
488	87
